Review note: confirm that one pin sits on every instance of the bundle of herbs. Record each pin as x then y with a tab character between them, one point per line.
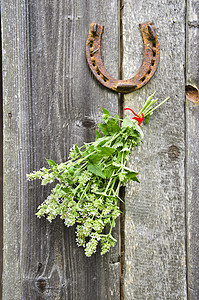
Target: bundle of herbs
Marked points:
88	184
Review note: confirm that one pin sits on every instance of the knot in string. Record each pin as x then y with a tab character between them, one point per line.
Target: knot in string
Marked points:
137	117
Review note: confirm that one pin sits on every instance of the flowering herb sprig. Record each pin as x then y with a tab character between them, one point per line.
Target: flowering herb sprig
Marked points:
88	184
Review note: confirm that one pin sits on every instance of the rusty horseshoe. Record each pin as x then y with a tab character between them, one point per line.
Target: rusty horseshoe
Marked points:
151	58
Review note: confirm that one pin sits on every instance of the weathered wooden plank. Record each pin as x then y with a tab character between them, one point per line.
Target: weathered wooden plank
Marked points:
1	175
50	102
155	258
192	144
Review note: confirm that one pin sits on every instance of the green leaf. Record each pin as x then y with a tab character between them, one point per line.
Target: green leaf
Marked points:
101	141
106	112
131	175
117	118
132	124
113	126
71	170
103	128
106	115
137	127
117	144
95	158
96	170
127	122
109	171
146	119
106	151
98	135
66	190
77	149
119	157
51	162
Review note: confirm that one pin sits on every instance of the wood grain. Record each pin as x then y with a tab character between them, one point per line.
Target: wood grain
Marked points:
50	102
192	145
155	233
1	175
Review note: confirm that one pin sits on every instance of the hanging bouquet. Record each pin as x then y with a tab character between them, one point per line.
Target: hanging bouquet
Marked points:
88	184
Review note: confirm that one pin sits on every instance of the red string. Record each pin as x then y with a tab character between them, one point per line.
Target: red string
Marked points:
137	117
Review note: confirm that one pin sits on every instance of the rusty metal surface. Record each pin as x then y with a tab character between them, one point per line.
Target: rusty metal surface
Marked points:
192	94
151	58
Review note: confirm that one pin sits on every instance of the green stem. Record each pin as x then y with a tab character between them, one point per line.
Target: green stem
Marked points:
82	159
147	103
160	104
114	137
84	193
148	112
82	167
109	183
150	106
118	188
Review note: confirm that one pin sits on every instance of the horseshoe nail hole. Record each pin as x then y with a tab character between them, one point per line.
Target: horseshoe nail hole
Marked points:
154	44
91	55
153	62
149	71
154	53
98	71
94	64
91	44
143	78
105	79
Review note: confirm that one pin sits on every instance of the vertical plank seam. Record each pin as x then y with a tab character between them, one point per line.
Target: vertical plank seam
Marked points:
186	158
122	190
1	165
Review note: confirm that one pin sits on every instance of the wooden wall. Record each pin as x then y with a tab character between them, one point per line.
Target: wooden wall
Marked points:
192	146
51	101
155	232
1	174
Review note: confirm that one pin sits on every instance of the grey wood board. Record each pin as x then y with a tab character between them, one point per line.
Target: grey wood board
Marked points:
1	176
51	101
192	145
155	234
